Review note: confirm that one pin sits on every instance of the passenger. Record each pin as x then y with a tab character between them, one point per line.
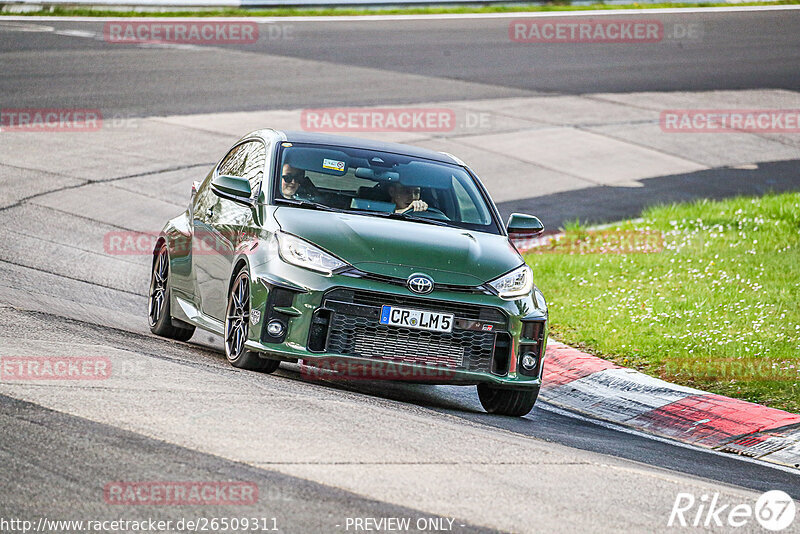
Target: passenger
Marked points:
405	197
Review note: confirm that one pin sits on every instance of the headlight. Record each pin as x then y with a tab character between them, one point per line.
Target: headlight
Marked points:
303	254
517	283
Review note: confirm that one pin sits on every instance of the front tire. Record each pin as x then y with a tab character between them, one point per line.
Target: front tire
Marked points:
237	327
159	315
513	402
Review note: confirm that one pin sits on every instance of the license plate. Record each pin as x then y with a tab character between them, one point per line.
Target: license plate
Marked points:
419	319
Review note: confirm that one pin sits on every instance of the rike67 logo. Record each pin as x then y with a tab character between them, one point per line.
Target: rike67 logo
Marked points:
774	510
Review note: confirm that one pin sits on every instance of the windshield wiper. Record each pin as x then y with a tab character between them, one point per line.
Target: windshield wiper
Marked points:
306	204
417	218
396	215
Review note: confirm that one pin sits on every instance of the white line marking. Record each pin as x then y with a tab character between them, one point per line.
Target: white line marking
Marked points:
441	16
76	33
544	405
91	35
25	27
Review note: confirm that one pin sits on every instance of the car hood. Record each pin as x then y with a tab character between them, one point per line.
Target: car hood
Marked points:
391	247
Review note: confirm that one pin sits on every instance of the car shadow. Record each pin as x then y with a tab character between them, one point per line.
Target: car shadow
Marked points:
606	203
456	398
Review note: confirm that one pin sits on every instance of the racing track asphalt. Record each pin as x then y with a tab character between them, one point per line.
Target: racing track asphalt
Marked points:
350	449
319	64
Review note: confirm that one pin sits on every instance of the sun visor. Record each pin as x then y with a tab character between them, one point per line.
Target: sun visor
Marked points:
421	174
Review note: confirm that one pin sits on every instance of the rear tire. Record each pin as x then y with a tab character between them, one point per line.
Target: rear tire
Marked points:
159	315
237	327
513	402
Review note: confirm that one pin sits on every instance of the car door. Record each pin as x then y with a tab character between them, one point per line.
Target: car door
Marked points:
218	224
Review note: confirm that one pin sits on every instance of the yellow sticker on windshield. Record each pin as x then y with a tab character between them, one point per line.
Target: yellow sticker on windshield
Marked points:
333	165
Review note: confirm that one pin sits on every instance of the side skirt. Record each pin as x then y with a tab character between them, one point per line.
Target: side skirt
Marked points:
198	318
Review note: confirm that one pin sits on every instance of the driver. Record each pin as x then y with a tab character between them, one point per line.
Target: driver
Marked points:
405	197
292	179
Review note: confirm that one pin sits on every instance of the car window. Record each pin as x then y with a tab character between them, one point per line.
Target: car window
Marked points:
254	166
348	182
467	205
234	162
246	161
368	181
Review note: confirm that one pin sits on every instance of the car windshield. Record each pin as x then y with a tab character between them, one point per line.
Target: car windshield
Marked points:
381	184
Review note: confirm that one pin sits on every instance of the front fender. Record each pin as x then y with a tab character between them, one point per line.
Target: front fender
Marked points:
259	292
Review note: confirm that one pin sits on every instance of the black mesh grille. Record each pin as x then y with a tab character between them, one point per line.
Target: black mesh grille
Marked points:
459	349
356	331
459	309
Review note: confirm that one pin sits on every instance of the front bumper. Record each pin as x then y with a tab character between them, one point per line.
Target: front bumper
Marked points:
332	322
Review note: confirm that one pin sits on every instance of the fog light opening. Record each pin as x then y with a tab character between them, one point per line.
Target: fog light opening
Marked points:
529	361
275	328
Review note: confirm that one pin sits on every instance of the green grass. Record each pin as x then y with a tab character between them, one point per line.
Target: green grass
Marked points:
716	308
419	10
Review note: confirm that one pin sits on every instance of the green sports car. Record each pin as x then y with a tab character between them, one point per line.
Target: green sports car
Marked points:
356	258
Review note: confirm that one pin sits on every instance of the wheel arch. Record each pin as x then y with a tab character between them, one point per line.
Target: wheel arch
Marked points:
162	239
239	264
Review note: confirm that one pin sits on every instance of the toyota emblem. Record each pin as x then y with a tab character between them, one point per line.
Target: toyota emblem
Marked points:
420	283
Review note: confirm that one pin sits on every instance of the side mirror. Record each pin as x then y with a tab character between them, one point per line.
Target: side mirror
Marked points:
232	188
521	225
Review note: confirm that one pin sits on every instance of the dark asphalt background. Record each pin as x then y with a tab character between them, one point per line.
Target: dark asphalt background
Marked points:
755	50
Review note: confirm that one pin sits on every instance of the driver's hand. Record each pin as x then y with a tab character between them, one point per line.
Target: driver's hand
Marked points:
419	205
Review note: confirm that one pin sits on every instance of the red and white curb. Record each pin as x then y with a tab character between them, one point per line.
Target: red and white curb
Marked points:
586	384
